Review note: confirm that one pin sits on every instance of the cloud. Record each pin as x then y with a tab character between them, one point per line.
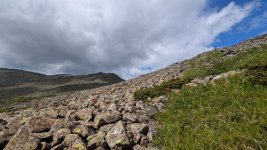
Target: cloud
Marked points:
126	37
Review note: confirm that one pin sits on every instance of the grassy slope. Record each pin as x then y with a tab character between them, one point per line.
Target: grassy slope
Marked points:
232	114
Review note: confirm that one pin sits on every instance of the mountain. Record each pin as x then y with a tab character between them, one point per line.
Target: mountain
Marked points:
216	100
18	83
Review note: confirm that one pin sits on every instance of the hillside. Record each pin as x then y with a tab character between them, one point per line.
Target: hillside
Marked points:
18	83
215	100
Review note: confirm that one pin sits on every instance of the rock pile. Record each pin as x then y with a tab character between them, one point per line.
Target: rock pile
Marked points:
102	118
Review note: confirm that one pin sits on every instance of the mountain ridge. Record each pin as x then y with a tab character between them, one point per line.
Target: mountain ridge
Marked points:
16	81
90	119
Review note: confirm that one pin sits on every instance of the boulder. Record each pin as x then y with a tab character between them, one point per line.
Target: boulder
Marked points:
85	114
23	139
130	117
83	131
60	135
43	136
70	139
106	128
40	124
106	118
97	140
15	123
117	137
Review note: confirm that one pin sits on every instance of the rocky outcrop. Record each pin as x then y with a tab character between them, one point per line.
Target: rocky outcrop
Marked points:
103	118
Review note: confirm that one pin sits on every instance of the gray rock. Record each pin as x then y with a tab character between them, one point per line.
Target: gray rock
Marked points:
60	135
43	136
23	139
130	117
106	118
85	114
106	128
141	128
83	131
117	137
97	140
40	124
70	139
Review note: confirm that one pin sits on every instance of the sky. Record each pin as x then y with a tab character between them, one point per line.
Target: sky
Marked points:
129	38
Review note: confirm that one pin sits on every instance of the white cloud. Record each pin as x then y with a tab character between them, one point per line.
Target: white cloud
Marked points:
110	36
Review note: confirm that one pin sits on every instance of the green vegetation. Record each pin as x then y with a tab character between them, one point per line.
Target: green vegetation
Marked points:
22	100
230	114
162	89
214	63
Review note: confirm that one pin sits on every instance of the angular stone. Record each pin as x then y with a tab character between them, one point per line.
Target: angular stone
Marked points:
78	145
97	140
151	112
58	124
49	112
70	139
130	117
160	106
141	117
117	137
85	114
60	135
141	128
105	118
112	107
15	123
23	139
106	128
71	116
43	136
83	131
129	107
62	111
40	124
138	147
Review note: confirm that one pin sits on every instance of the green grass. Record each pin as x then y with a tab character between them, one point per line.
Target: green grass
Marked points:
214	63
229	115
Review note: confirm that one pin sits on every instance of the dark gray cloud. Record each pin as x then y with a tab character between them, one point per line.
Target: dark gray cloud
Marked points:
57	36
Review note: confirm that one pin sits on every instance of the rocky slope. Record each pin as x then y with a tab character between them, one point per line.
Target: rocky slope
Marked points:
103	118
17	83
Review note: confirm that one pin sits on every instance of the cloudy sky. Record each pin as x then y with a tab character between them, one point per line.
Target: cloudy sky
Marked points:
127	37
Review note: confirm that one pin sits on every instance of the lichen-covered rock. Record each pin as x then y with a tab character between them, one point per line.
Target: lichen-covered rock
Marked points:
106	118
43	136
141	128
85	114
83	131
97	140
106	128
60	135
130	117
117	137
78	145
49	112
23	140
40	124
70	139
15	123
